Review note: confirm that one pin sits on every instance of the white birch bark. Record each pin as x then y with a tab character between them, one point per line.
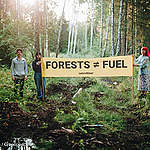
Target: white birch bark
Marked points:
107	30
72	38
37	45
60	29
86	29
69	37
46	27
92	25
101	25
119	28
75	38
85	35
112	28
18	16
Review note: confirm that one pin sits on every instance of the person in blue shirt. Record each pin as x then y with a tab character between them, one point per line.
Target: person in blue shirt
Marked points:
19	72
143	77
39	81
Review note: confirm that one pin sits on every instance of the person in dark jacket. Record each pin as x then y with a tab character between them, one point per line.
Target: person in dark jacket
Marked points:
39	81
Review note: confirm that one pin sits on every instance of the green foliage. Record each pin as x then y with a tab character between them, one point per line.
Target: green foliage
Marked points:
45	145
10	40
62	117
107	102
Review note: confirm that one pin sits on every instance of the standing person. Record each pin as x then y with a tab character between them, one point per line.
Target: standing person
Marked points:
143	76
19	72
39	82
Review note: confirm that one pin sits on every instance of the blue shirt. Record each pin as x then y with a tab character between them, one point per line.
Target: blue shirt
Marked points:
142	61
19	68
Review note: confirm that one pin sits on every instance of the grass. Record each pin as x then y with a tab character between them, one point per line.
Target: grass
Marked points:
101	102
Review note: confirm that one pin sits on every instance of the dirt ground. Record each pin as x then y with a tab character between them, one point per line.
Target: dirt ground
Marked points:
40	124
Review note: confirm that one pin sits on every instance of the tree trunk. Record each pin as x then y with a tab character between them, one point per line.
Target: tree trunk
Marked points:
108	22
60	29
125	29
112	28
75	38
85	35
132	24
69	37
119	28
101	26
1	13
135	37
46	23
92	25
72	38
37	46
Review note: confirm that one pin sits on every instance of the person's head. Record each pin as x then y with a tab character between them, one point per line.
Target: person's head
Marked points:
19	52
38	56
145	51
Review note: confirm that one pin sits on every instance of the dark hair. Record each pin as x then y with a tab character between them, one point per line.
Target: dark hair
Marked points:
19	49
37	53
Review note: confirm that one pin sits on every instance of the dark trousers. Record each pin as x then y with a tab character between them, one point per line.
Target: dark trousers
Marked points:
40	85
18	87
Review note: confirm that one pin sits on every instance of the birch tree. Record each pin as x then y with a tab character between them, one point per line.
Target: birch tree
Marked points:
124	47
135	29
132	24
92	25
85	34
107	31
18	17
46	26
37	46
112	27
76	14
75	37
86	29
60	29
72	38
101	25
119	28
69	37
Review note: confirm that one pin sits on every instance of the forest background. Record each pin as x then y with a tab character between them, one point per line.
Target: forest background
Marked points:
99	28
75	28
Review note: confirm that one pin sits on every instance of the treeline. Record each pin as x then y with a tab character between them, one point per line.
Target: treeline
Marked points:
110	27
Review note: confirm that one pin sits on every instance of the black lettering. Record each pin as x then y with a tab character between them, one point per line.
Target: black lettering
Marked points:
123	65
80	64
54	65
86	64
48	63
112	65
61	65
74	66
105	63
67	64
118	63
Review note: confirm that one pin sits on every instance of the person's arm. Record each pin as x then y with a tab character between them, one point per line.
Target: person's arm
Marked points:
25	70
12	70
143	63
33	66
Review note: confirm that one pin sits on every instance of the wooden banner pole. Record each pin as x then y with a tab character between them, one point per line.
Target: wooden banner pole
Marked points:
42	68
132	79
